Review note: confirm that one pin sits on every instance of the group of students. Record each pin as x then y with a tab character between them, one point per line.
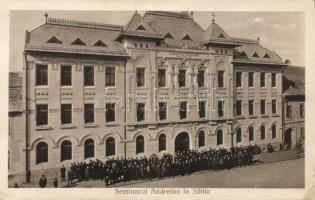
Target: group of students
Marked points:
181	163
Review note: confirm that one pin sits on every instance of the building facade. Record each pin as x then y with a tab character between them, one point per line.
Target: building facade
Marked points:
294	106
158	84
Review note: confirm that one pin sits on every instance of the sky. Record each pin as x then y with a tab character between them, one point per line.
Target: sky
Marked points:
282	32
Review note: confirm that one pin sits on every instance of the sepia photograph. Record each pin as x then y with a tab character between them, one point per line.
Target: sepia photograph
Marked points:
156	99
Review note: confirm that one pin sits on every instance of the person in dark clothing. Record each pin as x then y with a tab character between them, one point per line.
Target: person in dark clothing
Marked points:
63	173
43	181
70	177
55	183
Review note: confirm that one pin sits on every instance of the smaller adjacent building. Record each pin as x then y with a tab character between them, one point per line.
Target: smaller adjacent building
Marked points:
294	106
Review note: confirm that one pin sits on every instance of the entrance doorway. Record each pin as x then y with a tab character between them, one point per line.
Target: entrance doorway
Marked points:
288	137
182	142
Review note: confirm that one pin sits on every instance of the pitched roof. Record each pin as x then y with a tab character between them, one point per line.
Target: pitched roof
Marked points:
15	91
178	24
68	31
136	26
215	33
294	81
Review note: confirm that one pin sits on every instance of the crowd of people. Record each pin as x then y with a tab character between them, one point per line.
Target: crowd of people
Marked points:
181	163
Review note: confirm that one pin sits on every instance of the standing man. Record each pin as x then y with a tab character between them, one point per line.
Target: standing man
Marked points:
43	181
63	173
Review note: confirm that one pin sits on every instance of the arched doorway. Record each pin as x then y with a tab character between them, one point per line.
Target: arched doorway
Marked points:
288	137
182	142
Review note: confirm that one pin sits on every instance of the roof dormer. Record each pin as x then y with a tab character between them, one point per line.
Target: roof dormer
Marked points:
168	35
78	42
186	37
266	55
255	55
100	43
54	40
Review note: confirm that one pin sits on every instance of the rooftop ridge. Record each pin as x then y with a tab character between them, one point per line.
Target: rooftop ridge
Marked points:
245	40
85	24
182	14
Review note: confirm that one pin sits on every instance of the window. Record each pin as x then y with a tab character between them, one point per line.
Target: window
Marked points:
255	55
88	113
146	46
289	111
250	107
141	28
182	78
263	106
238	107
110	146
66	78
220	78
274	106
66	150
139	144
273	80
201	78
201	139
238	79
41	75
274	131
250	79
161	77
262	132
88	76
41	152
302	112
41	114
251	134
183	110
262	79
140	77
88	148
54	40
66	113
78	42
220	108
9	159
162	142
100	43
238	135
110	112
109	76
202	109
140	112
302	132
219	137
162	111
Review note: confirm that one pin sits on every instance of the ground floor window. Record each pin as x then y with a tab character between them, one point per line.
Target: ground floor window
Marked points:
201	139
41	152
219	137
88	148
274	131
162	142
66	150
110	146
238	135
140	144
262	132
251	134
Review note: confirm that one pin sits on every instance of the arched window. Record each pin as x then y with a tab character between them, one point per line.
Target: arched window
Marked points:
41	152
201	139
274	131
162	142
262	132
238	135
110	146
219	137
251	134
140	144
66	150
88	148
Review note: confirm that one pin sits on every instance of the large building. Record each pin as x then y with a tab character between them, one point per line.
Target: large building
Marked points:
158	84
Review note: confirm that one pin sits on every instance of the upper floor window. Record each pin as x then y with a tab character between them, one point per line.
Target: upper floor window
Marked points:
41	114
140	76
202	109
41	75
201	78
88	76
162	77
289	111
220	78
274	106
183	110
89	113
238	107
302	111
238	79
110	76
140	112
66	113
250	79
162	111
110	112
182	78
250	107
262	79
220	108
66	75
273	80
263	106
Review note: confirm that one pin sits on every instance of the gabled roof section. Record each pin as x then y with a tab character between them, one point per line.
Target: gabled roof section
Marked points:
138	27
100	43
255	55
54	40
168	35
78	42
186	37
294	81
